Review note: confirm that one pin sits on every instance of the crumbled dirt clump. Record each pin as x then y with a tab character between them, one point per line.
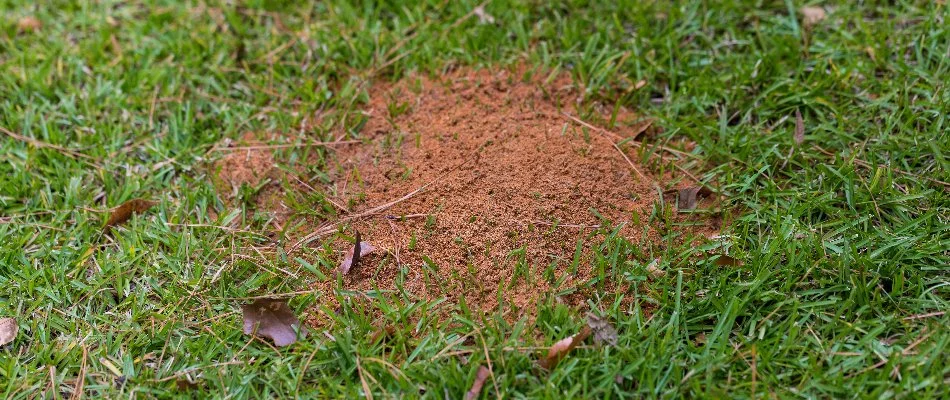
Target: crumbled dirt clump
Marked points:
509	184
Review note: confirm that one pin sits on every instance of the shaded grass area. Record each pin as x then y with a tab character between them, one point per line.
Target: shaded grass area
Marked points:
842	293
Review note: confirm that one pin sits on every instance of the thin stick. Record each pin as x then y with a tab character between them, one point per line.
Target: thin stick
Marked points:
193	369
284	146
407	216
366	392
928	315
41	144
868	165
612	143
636	144
554	224
77	394
329	228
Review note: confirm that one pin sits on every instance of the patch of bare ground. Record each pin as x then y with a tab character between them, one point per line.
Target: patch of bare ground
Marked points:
511	181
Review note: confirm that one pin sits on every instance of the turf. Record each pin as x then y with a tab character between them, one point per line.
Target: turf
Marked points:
844	239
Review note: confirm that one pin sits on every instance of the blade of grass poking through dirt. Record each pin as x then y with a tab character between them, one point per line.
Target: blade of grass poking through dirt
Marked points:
604	332
8	330
799	128
480	378
560	349
122	213
359	250
272	318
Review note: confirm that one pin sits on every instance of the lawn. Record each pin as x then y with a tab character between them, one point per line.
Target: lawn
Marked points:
839	223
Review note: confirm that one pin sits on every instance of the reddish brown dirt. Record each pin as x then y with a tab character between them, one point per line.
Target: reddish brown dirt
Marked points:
500	163
250	163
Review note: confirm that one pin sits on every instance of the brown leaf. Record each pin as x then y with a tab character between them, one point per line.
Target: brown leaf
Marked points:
387	331
655	271
480	378
604	332
560	349
122	213
8	330
728	261
29	24
700	339
687	198
483	16
799	128
272	318
812	15
184	384
359	250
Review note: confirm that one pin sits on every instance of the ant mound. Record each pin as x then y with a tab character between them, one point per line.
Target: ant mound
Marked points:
486	187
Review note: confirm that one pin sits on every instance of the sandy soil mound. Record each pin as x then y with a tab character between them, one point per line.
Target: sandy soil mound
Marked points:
509	183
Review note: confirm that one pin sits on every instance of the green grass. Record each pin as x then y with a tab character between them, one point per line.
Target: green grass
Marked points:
843	263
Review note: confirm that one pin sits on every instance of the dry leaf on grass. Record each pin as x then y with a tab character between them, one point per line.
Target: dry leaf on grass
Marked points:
385	332
8	330
564	346
483	16
122	213
272	318
29	24
812	15
799	128
604	332
728	261
480	378
654	270
688	196
184	384
359	250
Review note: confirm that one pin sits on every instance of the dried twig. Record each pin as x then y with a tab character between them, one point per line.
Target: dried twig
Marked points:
612	143
40	144
868	165
284	146
331	227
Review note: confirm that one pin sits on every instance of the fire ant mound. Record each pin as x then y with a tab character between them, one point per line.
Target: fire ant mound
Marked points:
481	182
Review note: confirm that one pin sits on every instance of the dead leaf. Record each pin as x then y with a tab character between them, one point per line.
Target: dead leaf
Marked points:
560	349
184	384
387	331
604	332
686	199
799	128
122	213
29	24
812	15
700	339
359	250
728	261
8	330
480	378
483	16
655	271
272	318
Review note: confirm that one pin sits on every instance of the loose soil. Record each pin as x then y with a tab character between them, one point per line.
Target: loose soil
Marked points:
509	185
